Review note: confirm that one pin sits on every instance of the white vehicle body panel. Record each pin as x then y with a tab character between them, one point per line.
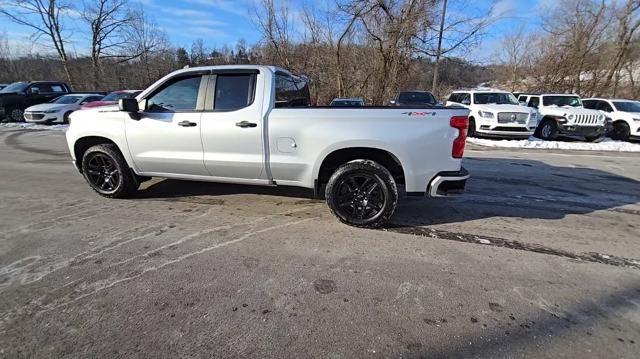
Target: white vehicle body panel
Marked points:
38	113
287	146
632	119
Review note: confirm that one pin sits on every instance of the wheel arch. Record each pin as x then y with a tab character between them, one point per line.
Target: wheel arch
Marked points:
84	143
338	157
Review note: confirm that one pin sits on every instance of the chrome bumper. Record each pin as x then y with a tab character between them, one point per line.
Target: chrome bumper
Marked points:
448	183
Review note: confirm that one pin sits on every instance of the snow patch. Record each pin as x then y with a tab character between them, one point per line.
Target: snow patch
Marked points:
536	143
34	126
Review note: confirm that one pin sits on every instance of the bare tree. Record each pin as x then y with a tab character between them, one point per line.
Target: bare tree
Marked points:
515	50
455	33
275	26
628	22
108	21
45	19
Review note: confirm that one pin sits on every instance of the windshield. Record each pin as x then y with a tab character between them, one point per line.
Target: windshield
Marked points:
15	87
627	106
346	103
115	96
416	98
67	100
498	98
573	101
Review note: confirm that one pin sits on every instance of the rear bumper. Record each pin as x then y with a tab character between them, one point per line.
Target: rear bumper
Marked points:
445	184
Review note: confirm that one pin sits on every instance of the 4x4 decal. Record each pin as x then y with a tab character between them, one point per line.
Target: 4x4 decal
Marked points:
420	114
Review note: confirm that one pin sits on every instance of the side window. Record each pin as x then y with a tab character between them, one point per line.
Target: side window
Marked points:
180	94
604	106
522	99
92	99
465	99
234	92
534	102
291	93
57	88
590	104
454	97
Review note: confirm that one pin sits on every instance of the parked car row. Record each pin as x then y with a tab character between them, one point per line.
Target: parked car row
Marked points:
50	101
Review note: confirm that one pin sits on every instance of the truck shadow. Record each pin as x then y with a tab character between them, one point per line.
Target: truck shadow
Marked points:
501	187
498	188
170	188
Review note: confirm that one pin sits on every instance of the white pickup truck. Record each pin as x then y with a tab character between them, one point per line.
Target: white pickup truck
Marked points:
253	125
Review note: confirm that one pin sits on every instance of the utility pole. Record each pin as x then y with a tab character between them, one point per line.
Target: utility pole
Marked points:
439	51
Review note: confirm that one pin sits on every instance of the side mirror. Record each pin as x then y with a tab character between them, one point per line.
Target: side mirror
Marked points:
466	102
34	91
523	103
128	105
393	102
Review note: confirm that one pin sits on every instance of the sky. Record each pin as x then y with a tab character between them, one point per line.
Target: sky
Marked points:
224	22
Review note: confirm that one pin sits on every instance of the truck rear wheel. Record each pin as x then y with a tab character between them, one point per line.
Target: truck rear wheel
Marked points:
107	172
362	193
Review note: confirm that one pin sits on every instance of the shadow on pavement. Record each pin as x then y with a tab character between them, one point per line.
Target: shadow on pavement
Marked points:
498	188
501	187
510	336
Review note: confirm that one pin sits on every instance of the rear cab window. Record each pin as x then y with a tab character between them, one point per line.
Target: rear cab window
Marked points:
234	91
291	91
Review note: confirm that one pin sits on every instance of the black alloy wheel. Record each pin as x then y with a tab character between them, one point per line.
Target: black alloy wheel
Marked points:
102	172
107	172
362	193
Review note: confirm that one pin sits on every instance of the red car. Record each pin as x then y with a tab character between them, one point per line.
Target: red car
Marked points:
112	98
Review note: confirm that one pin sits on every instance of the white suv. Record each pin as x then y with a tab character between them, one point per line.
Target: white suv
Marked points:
495	113
563	114
625	115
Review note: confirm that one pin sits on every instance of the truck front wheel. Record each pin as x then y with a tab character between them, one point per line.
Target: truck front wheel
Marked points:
362	193
107	172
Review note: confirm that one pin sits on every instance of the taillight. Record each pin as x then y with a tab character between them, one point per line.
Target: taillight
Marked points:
462	124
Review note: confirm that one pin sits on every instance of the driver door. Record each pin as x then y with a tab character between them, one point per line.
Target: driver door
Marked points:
166	138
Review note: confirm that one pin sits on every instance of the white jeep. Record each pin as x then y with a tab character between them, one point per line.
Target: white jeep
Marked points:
495	113
563	114
625	115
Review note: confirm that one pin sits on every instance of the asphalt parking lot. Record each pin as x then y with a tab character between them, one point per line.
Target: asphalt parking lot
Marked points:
540	258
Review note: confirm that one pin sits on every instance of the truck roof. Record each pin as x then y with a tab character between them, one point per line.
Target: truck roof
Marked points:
547	94
270	68
481	89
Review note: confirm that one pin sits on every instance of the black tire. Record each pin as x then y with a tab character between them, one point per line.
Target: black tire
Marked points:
471	132
16	115
548	130
65	118
107	172
362	193
620	131
595	139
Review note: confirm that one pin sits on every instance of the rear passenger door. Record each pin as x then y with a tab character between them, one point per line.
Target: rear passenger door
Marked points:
232	126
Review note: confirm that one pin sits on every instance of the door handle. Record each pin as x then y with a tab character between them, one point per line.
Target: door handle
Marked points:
246	124
187	124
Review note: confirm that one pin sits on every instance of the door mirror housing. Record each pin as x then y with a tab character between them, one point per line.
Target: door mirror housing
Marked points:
128	105
466	102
